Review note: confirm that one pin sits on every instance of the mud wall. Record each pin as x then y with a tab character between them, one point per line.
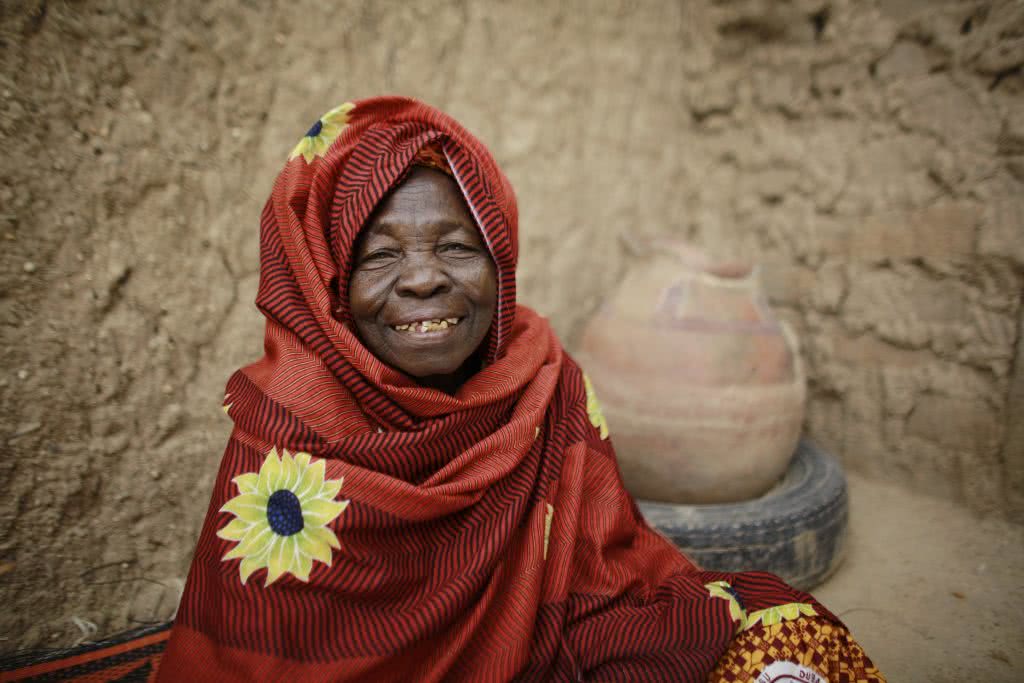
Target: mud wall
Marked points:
870	154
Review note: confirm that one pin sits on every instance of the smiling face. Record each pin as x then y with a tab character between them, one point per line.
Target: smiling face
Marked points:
423	287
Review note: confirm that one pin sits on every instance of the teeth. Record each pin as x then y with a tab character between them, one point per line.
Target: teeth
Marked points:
429	325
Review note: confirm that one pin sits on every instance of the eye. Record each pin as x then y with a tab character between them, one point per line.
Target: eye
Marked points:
457	249
378	258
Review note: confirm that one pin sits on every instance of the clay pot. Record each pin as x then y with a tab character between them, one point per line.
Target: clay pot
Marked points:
702	386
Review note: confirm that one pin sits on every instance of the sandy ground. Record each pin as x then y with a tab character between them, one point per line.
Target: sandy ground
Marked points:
931	592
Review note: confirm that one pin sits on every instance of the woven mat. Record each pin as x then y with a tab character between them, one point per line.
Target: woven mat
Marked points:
129	657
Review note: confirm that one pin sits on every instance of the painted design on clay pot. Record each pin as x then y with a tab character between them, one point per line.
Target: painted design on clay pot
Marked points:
701	384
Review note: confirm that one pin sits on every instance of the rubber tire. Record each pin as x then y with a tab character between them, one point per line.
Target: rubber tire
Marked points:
796	530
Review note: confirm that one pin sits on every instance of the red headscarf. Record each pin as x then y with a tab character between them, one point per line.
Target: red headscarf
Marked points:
363	527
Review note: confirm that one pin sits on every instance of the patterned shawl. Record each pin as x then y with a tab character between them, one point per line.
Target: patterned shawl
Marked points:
363	527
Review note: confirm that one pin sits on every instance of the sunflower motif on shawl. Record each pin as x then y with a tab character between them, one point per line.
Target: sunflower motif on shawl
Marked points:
322	133
281	517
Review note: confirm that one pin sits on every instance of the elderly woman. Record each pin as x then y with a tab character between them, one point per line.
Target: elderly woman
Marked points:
420	485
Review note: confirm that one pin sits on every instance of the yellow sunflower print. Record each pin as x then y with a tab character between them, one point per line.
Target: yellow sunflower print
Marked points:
548	516
281	517
320	136
594	409
722	589
780	613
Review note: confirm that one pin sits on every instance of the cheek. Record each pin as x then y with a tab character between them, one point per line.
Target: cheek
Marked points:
485	288
491	283
366	294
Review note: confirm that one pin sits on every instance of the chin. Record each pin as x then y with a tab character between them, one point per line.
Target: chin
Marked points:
424	371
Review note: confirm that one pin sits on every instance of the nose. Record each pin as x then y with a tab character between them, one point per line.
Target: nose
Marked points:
422	277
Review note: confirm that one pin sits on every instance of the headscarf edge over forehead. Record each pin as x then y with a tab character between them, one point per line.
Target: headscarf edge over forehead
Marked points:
345	165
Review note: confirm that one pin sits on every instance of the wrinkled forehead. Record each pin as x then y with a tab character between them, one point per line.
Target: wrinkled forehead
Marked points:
424	203
430	182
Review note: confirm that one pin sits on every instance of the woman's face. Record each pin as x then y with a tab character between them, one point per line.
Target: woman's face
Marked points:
423	286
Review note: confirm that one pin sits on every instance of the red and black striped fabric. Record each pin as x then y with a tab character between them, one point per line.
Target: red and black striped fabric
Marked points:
445	570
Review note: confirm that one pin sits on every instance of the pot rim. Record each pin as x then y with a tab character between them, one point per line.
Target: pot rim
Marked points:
735	272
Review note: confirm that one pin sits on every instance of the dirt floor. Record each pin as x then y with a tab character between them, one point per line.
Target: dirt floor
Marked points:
931	592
